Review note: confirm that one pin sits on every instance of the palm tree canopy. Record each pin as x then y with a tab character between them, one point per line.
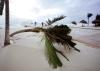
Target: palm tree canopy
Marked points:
89	15
74	22
83	21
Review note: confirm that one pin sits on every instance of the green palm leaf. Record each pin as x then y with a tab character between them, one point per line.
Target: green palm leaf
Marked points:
52	57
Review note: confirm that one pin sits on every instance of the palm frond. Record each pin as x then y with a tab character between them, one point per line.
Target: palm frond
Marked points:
60	35
49	22
61	54
52	57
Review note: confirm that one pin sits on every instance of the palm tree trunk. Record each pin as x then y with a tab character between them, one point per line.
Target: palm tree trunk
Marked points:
88	21
7	37
28	30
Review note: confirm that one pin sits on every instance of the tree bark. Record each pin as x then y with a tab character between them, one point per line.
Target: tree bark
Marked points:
7	37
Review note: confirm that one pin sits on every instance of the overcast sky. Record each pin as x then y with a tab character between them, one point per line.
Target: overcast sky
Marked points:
43	9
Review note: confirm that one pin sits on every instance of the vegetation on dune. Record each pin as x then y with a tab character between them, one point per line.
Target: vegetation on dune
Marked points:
56	34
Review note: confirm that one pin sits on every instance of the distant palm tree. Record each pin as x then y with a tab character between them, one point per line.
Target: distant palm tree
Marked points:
74	22
88	16
35	23
7	37
83	22
42	24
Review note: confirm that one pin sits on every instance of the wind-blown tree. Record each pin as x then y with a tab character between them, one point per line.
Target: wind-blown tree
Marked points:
57	34
83	22
88	17
74	22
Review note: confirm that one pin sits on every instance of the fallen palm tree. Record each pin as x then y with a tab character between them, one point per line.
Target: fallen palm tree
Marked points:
57	34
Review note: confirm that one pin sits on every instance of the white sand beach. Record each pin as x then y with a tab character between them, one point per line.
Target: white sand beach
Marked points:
26	53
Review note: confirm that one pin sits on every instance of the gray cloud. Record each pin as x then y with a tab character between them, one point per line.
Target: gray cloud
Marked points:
73	9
